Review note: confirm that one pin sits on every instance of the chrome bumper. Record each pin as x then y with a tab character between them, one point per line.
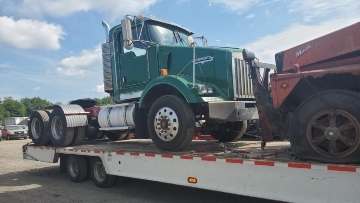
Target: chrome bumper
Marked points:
233	110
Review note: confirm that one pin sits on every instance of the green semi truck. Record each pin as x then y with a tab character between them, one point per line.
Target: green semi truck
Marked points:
164	87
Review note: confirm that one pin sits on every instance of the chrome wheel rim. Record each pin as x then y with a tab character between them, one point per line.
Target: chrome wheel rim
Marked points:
166	124
35	128
73	168
56	128
99	172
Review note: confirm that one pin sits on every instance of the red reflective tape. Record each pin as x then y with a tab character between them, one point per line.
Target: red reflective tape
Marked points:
186	157
96	151
71	150
208	158
83	150
149	155
120	153
341	168
41	147
167	156
48	148
235	161
299	165
264	163
134	153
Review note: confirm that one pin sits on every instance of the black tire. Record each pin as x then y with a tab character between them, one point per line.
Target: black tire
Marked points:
317	131
39	128
77	168
230	131
79	135
171	111
60	134
92	131
99	175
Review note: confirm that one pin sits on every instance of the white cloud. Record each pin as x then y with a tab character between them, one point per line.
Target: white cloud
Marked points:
87	60
4	65
266	47
112	8
235	5
322	8
250	16
37	88
99	89
30	34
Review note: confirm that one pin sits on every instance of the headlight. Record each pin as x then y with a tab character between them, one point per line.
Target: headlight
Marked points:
203	89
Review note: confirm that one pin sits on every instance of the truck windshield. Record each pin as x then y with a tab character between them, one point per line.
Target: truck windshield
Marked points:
167	35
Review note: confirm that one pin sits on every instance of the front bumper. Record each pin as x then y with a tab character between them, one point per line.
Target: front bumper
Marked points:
17	136
233	111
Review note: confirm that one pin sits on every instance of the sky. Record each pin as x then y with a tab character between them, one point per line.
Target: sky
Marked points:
51	48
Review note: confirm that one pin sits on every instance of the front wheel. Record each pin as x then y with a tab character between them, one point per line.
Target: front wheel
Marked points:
326	127
230	131
171	123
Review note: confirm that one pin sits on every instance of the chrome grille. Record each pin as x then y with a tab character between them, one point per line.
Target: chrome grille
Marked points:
242	83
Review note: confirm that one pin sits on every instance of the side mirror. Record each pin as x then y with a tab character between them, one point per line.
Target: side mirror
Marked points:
191	41
127	33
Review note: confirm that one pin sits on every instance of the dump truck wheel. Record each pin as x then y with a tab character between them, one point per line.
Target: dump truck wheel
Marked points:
77	168
99	175
325	127
79	135
171	123
39	128
61	135
230	131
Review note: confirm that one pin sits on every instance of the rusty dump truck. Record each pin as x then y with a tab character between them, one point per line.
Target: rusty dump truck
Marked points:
314	97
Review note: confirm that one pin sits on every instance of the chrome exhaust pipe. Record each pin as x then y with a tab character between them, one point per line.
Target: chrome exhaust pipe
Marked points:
107	28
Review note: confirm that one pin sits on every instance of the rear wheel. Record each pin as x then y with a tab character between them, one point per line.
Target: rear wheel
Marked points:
77	168
230	131
326	128
99	175
171	123
61	135
39	128
79	135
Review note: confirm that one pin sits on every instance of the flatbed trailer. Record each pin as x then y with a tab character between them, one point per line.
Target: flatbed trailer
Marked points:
241	168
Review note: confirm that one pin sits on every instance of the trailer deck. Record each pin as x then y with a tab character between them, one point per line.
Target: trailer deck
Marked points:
239	168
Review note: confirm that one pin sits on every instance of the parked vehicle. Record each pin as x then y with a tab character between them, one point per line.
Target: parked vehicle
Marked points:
13	132
25	127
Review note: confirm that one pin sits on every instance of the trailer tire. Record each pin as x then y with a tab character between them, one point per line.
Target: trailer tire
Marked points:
60	134
39	128
172	111
79	135
99	175
316	133
230	131
77	168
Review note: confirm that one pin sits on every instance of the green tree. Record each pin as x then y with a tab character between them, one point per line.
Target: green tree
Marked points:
107	100
33	104
13	107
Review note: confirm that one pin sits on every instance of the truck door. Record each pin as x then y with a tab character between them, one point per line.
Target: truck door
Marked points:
134	68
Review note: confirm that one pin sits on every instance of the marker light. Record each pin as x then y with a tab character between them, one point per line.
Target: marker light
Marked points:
192	180
141	16
164	72
284	85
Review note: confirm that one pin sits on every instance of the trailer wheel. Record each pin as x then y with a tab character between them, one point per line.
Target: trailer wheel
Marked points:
99	175
77	169
79	135
326	128
61	135
230	131
39	128
171	123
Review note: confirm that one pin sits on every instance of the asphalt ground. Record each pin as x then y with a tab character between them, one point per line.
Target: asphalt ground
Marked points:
32	181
